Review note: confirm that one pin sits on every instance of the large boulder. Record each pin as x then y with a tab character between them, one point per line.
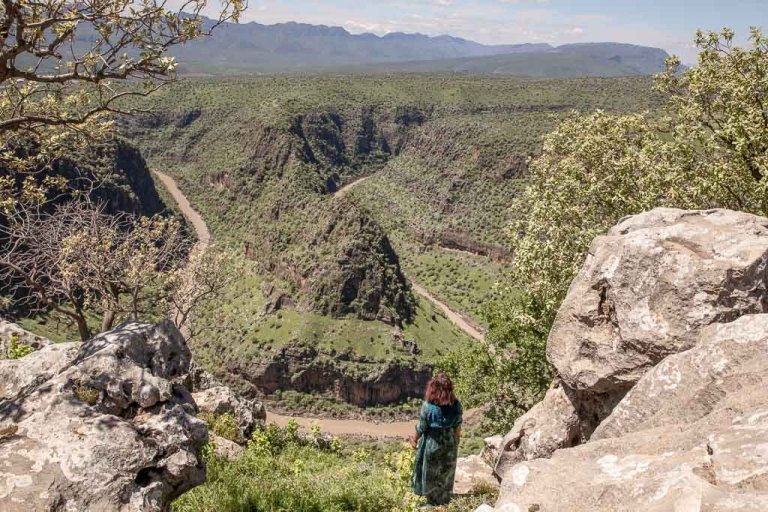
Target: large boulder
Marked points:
102	425
659	352
691	435
645	291
551	424
649	286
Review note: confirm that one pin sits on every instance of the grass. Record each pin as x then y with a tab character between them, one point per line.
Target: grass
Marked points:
463	281
283	471
238	318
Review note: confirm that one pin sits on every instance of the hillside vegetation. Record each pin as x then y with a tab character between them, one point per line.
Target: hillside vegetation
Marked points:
261	159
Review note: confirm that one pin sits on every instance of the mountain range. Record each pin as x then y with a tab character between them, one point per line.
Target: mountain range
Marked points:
298	47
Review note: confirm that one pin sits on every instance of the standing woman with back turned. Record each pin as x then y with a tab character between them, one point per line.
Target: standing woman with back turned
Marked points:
437	441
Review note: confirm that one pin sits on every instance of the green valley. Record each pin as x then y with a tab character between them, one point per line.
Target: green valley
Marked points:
323	278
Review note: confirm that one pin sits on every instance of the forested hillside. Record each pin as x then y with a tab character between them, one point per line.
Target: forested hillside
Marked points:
443	157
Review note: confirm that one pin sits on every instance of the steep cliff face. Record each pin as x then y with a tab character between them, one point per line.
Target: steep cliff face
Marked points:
361	275
116	173
358	381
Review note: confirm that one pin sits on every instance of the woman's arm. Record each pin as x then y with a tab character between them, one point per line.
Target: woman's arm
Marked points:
458	433
421	427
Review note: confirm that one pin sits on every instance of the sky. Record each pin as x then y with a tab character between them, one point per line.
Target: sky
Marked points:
668	24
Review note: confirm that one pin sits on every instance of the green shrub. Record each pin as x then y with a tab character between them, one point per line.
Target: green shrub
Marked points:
86	394
223	425
16	349
282	471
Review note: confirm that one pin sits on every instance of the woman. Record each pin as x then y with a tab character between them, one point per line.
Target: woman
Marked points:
436	442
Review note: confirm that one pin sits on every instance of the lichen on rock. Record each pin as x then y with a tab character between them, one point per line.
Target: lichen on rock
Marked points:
103	425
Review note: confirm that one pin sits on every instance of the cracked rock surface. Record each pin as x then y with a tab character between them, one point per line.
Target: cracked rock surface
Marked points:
103	425
660	351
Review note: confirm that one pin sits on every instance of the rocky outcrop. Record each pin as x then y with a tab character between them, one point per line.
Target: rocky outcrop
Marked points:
219	400
363	277
691	435
473	472
103	425
660	356
649	287
551	424
361	382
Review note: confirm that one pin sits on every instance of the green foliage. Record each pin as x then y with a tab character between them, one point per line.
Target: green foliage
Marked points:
15	349
283	471
223	425
708	149
508	372
87	394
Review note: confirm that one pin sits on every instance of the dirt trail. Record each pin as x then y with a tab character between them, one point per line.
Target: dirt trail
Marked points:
329	426
401	429
348	187
201	228
453	316
457	319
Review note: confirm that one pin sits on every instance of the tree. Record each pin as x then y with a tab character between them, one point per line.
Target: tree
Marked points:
65	68
707	148
207	272
61	64
719	109
79	261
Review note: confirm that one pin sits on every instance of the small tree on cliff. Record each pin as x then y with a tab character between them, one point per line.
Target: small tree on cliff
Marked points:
78	262
708	148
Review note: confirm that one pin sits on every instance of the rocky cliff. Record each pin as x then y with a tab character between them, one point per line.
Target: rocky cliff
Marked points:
364	382
275	197
108	424
659	351
113	171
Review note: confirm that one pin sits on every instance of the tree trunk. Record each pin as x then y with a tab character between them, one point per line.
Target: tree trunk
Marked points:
107	321
82	328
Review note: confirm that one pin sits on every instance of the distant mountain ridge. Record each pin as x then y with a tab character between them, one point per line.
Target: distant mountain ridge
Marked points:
297	47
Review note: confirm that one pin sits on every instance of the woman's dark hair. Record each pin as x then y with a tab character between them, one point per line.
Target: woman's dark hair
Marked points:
440	390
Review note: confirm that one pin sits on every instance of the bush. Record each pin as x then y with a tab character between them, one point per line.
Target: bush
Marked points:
284	471
16	349
223	425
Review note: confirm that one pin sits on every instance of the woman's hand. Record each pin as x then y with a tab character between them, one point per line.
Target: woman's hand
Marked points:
414	440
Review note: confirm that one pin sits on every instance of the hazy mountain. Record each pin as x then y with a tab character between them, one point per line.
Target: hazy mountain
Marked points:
299	46
592	59
285	47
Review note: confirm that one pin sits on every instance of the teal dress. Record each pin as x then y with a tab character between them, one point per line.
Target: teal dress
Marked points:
435	466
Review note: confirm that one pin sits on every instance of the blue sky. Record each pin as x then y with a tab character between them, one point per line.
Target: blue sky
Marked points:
669	24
